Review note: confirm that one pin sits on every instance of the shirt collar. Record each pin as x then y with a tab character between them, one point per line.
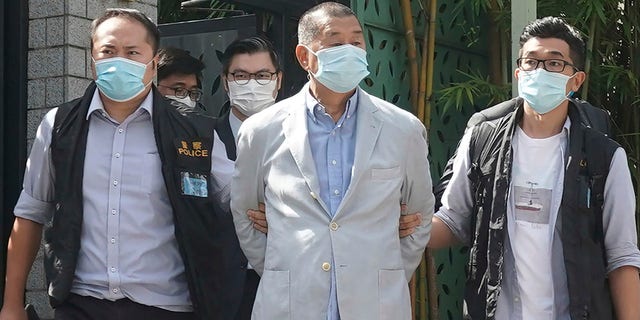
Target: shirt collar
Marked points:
96	104
311	103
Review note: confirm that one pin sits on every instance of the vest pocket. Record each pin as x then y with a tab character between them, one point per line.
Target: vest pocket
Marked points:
393	292
273	301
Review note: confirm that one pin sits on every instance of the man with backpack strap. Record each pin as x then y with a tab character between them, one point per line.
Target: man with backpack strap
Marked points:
544	200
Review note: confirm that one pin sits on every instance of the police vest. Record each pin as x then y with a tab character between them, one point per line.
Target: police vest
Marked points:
213	261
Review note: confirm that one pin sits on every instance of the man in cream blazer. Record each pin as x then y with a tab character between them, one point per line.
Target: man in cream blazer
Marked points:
333	250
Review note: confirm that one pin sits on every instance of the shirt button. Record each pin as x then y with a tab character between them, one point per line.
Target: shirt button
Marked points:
516	299
120	130
333	133
113	240
115	182
336	192
113	269
113	211
334	226
313	195
117	155
326	266
115	290
334	162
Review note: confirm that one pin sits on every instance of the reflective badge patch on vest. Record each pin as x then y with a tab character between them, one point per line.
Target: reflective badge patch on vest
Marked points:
194	184
192	149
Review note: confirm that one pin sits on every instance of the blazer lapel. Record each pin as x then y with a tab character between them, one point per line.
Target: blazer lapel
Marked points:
296	137
368	128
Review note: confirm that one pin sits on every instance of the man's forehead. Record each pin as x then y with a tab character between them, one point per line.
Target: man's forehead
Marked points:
252	62
546	46
180	79
331	27
117	27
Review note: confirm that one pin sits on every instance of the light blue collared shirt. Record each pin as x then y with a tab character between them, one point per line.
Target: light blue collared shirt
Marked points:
333	148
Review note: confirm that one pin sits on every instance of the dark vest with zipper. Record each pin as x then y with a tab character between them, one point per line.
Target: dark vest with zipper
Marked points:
213	262
589	156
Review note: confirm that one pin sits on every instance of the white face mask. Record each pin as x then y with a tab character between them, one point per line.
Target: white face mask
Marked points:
186	100
252	97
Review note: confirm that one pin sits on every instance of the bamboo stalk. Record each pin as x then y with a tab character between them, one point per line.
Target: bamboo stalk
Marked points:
587	65
424	67
422	289
431	41
430	67
409	35
495	46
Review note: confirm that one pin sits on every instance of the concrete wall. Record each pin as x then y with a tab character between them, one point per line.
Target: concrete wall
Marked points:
59	69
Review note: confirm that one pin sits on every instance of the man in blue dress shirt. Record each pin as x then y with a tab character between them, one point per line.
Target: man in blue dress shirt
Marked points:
332	165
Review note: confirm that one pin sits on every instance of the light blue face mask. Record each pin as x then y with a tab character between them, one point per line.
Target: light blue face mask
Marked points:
543	90
341	68
120	79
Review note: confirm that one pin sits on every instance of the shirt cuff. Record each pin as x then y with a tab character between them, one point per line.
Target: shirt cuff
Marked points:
455	228
33	209
624	256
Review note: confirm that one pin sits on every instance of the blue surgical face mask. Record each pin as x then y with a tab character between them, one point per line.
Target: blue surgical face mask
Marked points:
120	79
543	90
341	68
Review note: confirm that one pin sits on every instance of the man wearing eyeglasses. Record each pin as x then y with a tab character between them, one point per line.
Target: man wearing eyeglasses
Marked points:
251	76
180	76
544	201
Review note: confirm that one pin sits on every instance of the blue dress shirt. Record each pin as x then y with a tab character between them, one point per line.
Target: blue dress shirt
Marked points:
333	147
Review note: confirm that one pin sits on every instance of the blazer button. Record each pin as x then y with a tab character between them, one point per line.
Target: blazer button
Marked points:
334	226
326	266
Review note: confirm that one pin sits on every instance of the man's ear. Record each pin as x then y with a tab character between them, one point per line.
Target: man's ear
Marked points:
93	68
302	55
279	81
578	80
225	85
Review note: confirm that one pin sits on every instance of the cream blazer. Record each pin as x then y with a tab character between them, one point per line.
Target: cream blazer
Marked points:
372	264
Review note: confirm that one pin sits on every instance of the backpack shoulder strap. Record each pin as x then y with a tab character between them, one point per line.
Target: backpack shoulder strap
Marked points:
478	153
594	117
495	112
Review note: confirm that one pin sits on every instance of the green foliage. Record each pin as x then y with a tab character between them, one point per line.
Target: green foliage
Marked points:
477	88
171	11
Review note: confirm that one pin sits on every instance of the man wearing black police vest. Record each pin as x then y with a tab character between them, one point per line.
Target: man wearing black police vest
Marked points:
128	186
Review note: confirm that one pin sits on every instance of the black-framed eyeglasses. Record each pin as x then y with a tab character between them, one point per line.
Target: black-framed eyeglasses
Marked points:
262	77
180	92
551	65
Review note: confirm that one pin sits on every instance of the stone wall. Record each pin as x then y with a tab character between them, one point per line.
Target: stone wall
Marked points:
59	69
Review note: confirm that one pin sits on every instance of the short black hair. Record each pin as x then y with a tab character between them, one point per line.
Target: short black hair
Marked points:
172	60
153	34
309	24
249	45
554	27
